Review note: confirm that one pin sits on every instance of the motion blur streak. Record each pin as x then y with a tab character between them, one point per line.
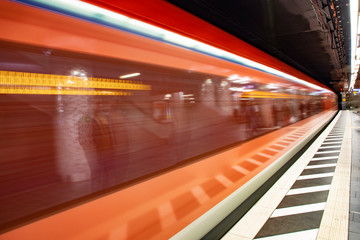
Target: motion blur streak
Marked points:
111	134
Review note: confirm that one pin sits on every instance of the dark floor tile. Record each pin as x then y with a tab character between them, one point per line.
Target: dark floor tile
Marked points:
354	236
331	145
355	217
329	149
337	132
292	223
355	194
318	170
317	155
354	207
335	135
355	163
355	172
354	199
354	185
354	227
355	151
303	199
312	182
355	179
319	162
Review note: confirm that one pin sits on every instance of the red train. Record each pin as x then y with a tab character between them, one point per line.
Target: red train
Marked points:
106	121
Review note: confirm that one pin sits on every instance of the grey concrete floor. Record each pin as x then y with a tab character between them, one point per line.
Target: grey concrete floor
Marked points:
354	217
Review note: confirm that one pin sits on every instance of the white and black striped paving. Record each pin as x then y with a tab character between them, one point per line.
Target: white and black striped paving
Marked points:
299	214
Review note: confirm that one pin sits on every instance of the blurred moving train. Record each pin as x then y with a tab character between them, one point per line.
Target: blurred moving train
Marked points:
93	102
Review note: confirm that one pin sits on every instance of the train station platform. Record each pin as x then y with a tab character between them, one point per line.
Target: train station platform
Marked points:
318	197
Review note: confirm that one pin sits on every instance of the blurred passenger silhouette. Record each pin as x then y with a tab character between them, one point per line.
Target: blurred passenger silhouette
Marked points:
99	134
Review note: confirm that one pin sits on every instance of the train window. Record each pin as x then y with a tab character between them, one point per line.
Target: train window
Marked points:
208	92
161	111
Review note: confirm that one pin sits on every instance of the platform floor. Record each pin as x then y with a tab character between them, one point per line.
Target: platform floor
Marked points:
318	197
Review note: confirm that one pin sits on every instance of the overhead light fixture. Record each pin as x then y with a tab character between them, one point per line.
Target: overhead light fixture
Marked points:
130	75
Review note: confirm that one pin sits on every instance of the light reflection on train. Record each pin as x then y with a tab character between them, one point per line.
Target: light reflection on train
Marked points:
74	124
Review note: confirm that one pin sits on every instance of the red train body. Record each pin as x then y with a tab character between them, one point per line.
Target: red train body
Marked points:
90	112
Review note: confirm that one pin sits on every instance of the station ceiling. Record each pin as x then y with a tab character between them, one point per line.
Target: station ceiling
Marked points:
311	35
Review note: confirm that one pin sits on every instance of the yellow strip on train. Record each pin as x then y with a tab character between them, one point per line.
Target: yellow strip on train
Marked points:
263	94
37	83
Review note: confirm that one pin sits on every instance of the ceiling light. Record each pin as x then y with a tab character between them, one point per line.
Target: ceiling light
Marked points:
130	75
